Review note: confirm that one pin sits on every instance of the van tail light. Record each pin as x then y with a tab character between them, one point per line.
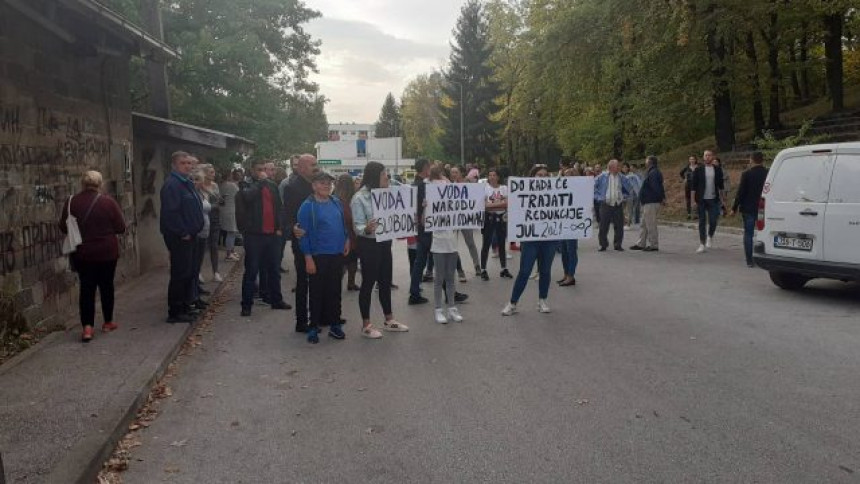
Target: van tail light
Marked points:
759	223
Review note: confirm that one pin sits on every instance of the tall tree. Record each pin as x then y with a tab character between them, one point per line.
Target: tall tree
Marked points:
244	69
388	124
421	117
471	90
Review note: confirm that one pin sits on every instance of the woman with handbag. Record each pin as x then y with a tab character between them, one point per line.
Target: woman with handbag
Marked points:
99	220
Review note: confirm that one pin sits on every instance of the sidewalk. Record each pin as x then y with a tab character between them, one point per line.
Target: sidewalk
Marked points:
64	404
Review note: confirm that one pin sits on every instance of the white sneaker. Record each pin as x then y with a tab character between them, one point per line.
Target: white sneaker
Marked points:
200	278
543	307
701	249
440	316
509	256
510	308
534	276
454	315
708	243
218	277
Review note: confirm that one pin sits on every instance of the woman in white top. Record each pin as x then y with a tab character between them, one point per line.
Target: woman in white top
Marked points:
445	256
495	222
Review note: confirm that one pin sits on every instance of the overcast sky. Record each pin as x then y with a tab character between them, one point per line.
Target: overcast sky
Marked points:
373	47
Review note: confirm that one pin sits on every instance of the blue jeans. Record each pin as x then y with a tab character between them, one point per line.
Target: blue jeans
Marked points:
542	252
569	256
749	233
261	257
711	210
422	253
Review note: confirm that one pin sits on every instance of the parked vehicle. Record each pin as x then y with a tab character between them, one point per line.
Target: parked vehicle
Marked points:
809	216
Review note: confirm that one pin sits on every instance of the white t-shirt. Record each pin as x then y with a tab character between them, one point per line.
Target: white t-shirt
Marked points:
444	241
710	186
495	195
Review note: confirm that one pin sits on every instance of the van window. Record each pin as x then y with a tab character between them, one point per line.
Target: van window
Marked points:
845	187
802	179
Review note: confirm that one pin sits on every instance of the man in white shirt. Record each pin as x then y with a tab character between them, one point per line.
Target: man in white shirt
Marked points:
708	190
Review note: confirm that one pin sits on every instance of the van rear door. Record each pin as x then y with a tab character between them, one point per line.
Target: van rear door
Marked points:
795	204
842	224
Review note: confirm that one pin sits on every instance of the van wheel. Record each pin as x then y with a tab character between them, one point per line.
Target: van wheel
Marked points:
788	281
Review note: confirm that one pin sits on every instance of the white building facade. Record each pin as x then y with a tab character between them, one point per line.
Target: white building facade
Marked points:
351	131
350	156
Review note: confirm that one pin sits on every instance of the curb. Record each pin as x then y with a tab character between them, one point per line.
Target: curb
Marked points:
95	450
690	226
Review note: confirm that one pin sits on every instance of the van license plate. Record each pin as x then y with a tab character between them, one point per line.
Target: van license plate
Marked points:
792	243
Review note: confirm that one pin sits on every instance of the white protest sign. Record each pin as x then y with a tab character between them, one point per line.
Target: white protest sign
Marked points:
394	212
550	208
454	206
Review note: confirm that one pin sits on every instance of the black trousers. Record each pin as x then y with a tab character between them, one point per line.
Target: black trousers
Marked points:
96	275
325	290
301	287
614	216
494	225
689	202
376	268
179	289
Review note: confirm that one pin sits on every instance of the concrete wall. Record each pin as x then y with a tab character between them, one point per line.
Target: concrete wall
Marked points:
62	111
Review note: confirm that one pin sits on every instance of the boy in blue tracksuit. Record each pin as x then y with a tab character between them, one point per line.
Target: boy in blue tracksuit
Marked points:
324	246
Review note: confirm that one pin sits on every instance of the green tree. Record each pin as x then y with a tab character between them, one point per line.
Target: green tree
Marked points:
471	90
421	117
388	124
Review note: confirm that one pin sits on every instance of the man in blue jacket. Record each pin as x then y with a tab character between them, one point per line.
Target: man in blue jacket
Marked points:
181	220
611	190
651	195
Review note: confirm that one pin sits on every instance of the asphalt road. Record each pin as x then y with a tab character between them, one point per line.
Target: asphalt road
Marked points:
663	367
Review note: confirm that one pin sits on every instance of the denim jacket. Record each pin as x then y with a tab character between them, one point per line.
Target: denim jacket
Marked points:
601	183
362	212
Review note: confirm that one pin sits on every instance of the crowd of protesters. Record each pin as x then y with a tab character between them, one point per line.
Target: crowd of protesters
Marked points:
330	228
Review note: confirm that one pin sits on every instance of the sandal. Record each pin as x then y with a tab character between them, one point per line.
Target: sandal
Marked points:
370	332
394	326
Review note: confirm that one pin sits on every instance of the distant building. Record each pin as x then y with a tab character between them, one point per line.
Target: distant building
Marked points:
350	156
351	131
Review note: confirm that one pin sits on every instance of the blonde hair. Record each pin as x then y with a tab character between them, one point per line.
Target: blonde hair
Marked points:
198	175
91	180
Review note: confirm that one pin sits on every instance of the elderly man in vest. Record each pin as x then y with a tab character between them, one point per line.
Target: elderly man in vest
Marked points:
611	190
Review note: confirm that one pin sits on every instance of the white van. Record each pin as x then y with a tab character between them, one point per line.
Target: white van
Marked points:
809	216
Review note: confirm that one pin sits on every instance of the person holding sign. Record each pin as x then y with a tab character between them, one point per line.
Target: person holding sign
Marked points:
376	260
495	222
611	190
324	245
445	256
540	251
468	234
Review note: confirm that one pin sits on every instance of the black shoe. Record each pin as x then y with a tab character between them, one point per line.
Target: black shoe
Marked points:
180	318
637	247
246	311
281	305
301	328
650	249
413	300
619	249
571	282
506	274
602	249
200	304
204	291
460	297
427	278
336	332
485	276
